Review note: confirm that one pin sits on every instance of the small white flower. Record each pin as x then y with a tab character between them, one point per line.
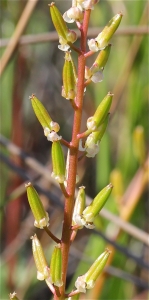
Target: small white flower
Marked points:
93	45
81	147
54	126
91	124
43	222
91	152
53	137
97	77
58	178
73	14
80	284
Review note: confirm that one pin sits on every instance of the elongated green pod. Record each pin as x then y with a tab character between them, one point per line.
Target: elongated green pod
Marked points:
101	113
103	38
43	271
69	78
40	215
56	266
43	115
79	207
58	162
58	21
87	281
96	205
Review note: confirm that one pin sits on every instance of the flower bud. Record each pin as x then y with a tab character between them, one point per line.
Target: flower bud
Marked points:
100	114
66	36
69	78
79	207
139	143
87	281
96	205
43	272
42	115
40	215
58	162
13	296
101	59
73	14
102	40
56	266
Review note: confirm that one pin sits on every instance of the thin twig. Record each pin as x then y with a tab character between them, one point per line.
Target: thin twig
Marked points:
23	21
52	236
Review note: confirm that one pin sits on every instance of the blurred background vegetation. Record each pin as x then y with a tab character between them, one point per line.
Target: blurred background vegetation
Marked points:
35	66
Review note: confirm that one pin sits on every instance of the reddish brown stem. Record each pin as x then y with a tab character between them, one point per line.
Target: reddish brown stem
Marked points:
69	201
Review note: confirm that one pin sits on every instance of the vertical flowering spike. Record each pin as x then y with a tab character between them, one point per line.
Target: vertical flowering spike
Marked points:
43	272
43	116
66	36
79	207
92	141
56	266
58	162
40	215
139	143
102	40
13	296
96	205
87	281
69	78
100	114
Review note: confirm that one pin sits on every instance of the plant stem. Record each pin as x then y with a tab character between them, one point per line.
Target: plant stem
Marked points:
72	171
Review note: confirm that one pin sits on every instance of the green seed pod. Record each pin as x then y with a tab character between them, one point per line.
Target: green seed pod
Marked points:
108	31
95	270
66	36
42	115
58	162
56	266
87	281
58	21
100	114
43	272
69	78
40	215
101	59
102	40
96	205
79	207
13	296
139	147
96	136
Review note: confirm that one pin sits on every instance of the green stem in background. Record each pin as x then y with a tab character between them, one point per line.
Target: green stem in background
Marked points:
72	171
